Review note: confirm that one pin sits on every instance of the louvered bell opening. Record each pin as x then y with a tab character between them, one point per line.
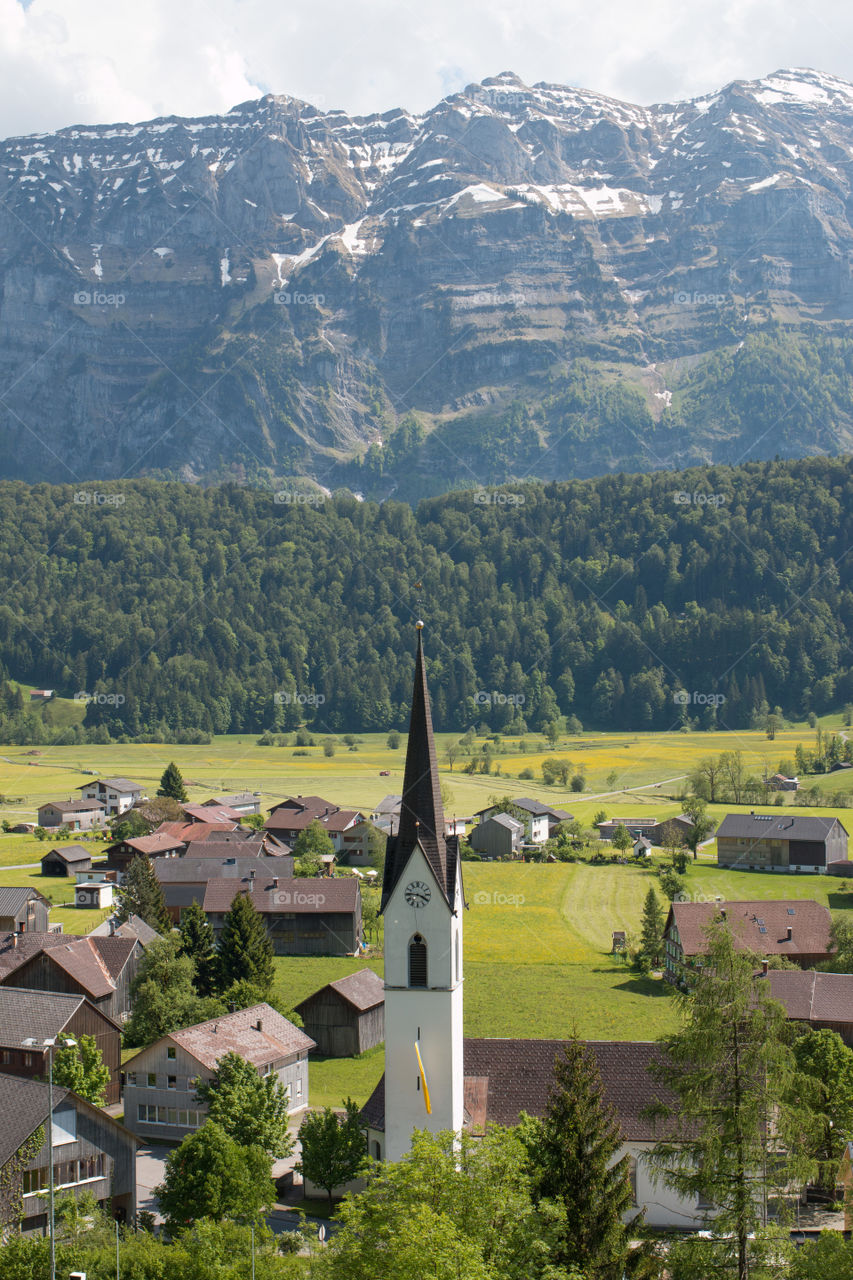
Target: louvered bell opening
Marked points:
417	962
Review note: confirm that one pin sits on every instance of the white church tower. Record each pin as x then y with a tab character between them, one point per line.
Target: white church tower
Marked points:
422	902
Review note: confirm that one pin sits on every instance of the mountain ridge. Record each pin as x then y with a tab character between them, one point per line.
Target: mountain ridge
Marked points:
523	280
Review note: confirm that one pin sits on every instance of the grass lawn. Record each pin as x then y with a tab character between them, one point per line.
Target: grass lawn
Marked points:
537	956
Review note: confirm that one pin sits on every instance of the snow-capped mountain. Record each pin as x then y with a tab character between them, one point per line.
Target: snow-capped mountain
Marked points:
271	291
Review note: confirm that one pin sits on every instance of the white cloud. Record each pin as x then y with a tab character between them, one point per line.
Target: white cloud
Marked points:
83	61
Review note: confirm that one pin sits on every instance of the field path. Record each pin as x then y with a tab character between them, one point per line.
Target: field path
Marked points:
647	786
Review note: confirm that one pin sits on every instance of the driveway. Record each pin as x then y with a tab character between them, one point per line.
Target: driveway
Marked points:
150	1170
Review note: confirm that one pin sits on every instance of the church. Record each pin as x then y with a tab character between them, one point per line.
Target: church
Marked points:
436	1078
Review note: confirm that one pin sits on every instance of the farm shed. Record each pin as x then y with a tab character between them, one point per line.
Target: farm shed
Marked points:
346	1017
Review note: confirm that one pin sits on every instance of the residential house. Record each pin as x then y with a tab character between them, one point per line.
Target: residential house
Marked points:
46	1015
66	860
819	999
23	910
539	819
504	1078
308	916
219	813
76	815
778	782
346	1017
91	1152
185	880
117	795
291	817
634	826
243	802
157	845
99	968
386	815
798	929
500	836
160	1100
780	842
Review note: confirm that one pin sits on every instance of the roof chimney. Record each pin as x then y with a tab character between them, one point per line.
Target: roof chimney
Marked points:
275	882
112	926
232	1007
259	1025
764	967
790	933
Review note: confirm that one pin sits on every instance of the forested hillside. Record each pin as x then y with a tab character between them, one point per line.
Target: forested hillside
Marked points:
630	601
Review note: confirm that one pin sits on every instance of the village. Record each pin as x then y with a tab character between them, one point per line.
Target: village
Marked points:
234	885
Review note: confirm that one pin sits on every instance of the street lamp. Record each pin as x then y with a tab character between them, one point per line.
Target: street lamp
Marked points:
50	1045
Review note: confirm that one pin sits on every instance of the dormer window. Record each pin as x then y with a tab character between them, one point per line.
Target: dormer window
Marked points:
417	962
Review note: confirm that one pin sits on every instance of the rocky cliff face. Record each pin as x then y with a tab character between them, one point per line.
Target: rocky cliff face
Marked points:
551	282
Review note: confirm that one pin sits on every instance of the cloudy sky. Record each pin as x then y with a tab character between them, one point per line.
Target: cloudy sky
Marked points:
84	61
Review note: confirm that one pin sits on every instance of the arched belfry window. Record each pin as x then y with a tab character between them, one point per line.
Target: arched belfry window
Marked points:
417	962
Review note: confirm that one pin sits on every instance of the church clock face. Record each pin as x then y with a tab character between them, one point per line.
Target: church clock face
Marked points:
417	893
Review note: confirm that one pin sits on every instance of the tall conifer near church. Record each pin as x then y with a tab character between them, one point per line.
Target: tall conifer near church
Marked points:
572	1150
245	950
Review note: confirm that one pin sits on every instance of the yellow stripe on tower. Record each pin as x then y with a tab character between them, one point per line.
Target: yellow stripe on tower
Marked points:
423	1078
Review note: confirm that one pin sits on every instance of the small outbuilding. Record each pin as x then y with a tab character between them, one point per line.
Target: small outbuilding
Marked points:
23	910
500	836
346	1017
94	894
66	860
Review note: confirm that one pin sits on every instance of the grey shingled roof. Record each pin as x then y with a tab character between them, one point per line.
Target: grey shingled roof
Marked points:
40	1014
763	826
507	820
24	1106
70	853
13	898
363	990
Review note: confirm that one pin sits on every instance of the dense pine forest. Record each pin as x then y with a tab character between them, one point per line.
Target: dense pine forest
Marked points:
713	596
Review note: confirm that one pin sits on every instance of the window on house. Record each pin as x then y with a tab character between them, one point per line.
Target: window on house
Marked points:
632	1175
299	1088
171	1082
64	1126
152	1079
171	1054
417	962
130	1079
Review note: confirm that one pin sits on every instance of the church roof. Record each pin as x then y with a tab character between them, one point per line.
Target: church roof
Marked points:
505	1077
421	811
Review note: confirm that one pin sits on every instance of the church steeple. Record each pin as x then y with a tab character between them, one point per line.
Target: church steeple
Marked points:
421	813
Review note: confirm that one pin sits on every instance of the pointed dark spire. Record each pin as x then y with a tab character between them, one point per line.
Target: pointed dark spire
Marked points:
421	812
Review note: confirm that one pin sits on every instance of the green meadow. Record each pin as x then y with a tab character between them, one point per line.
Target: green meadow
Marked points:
537	936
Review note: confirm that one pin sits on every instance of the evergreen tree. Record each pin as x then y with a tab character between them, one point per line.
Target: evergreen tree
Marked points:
245	950
651	936
172	784
198	943
730	1069
141	895
572	1150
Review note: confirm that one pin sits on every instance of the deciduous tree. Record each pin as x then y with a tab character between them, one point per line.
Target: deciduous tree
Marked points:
332	1147
211	1175
82	1068
250	1108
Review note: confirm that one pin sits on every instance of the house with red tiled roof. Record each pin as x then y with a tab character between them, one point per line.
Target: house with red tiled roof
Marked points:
306	916
346	1017
798	929
288	819
160	1100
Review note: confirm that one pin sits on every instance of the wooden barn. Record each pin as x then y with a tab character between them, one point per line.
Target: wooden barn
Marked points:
346	1017
43	1015
23	910
66	860
99	968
